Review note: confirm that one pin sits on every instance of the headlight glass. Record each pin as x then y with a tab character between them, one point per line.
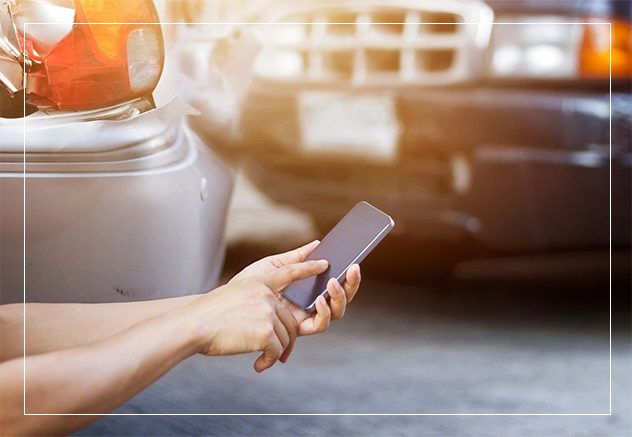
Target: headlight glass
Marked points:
85	54
536	47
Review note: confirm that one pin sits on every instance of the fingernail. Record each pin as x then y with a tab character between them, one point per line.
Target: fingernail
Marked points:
323	262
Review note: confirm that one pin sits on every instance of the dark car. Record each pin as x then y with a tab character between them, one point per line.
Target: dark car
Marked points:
488	122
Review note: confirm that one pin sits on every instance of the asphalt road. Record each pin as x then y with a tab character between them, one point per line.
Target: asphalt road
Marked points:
479	345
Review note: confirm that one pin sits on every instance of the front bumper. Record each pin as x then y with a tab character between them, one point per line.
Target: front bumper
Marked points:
127	228
513	168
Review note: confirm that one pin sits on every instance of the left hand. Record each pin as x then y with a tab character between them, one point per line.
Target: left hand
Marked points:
339	295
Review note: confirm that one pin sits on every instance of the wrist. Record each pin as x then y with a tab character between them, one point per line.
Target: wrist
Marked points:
196	326
187	330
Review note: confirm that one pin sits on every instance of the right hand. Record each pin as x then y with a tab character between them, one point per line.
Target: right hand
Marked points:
246	315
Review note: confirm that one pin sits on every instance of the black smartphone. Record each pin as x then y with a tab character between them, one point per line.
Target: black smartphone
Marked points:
349	242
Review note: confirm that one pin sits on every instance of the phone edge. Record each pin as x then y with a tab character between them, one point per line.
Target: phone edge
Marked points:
358	259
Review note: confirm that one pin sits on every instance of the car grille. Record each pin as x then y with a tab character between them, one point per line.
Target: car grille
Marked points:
435	42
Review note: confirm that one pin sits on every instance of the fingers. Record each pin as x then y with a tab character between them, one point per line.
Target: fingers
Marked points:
323	315
280	278
281	332
318	323
278	344
291	326
337	299
352	282
281	343
270	355
286	353
340	295
294	256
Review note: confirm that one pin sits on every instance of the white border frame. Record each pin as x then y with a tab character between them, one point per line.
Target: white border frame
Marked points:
609	413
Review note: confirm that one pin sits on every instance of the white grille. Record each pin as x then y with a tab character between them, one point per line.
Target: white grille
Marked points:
374	43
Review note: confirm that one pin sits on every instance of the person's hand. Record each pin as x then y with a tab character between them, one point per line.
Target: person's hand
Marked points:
339	295
246	314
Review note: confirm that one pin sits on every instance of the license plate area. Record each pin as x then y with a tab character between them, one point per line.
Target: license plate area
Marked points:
359	126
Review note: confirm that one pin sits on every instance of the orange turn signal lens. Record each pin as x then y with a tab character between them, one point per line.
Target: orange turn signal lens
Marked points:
113	54
595	55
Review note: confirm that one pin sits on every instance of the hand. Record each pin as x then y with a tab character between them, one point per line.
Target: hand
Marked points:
246	314
339	295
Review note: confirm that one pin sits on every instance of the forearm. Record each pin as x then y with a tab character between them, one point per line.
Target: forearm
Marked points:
51	327
94	378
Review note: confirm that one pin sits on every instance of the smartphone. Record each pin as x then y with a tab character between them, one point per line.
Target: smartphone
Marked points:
349	242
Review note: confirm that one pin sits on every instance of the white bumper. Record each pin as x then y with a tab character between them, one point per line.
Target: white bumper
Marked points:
144	226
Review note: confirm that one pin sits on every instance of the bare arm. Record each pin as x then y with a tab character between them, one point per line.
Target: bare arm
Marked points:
94	378
90	376
51	327
245	315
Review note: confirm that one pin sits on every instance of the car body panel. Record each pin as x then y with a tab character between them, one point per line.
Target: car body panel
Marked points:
103	225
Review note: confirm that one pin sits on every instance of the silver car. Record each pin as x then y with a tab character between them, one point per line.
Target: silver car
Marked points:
104	196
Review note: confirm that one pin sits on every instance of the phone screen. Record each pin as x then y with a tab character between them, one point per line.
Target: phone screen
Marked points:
347	243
